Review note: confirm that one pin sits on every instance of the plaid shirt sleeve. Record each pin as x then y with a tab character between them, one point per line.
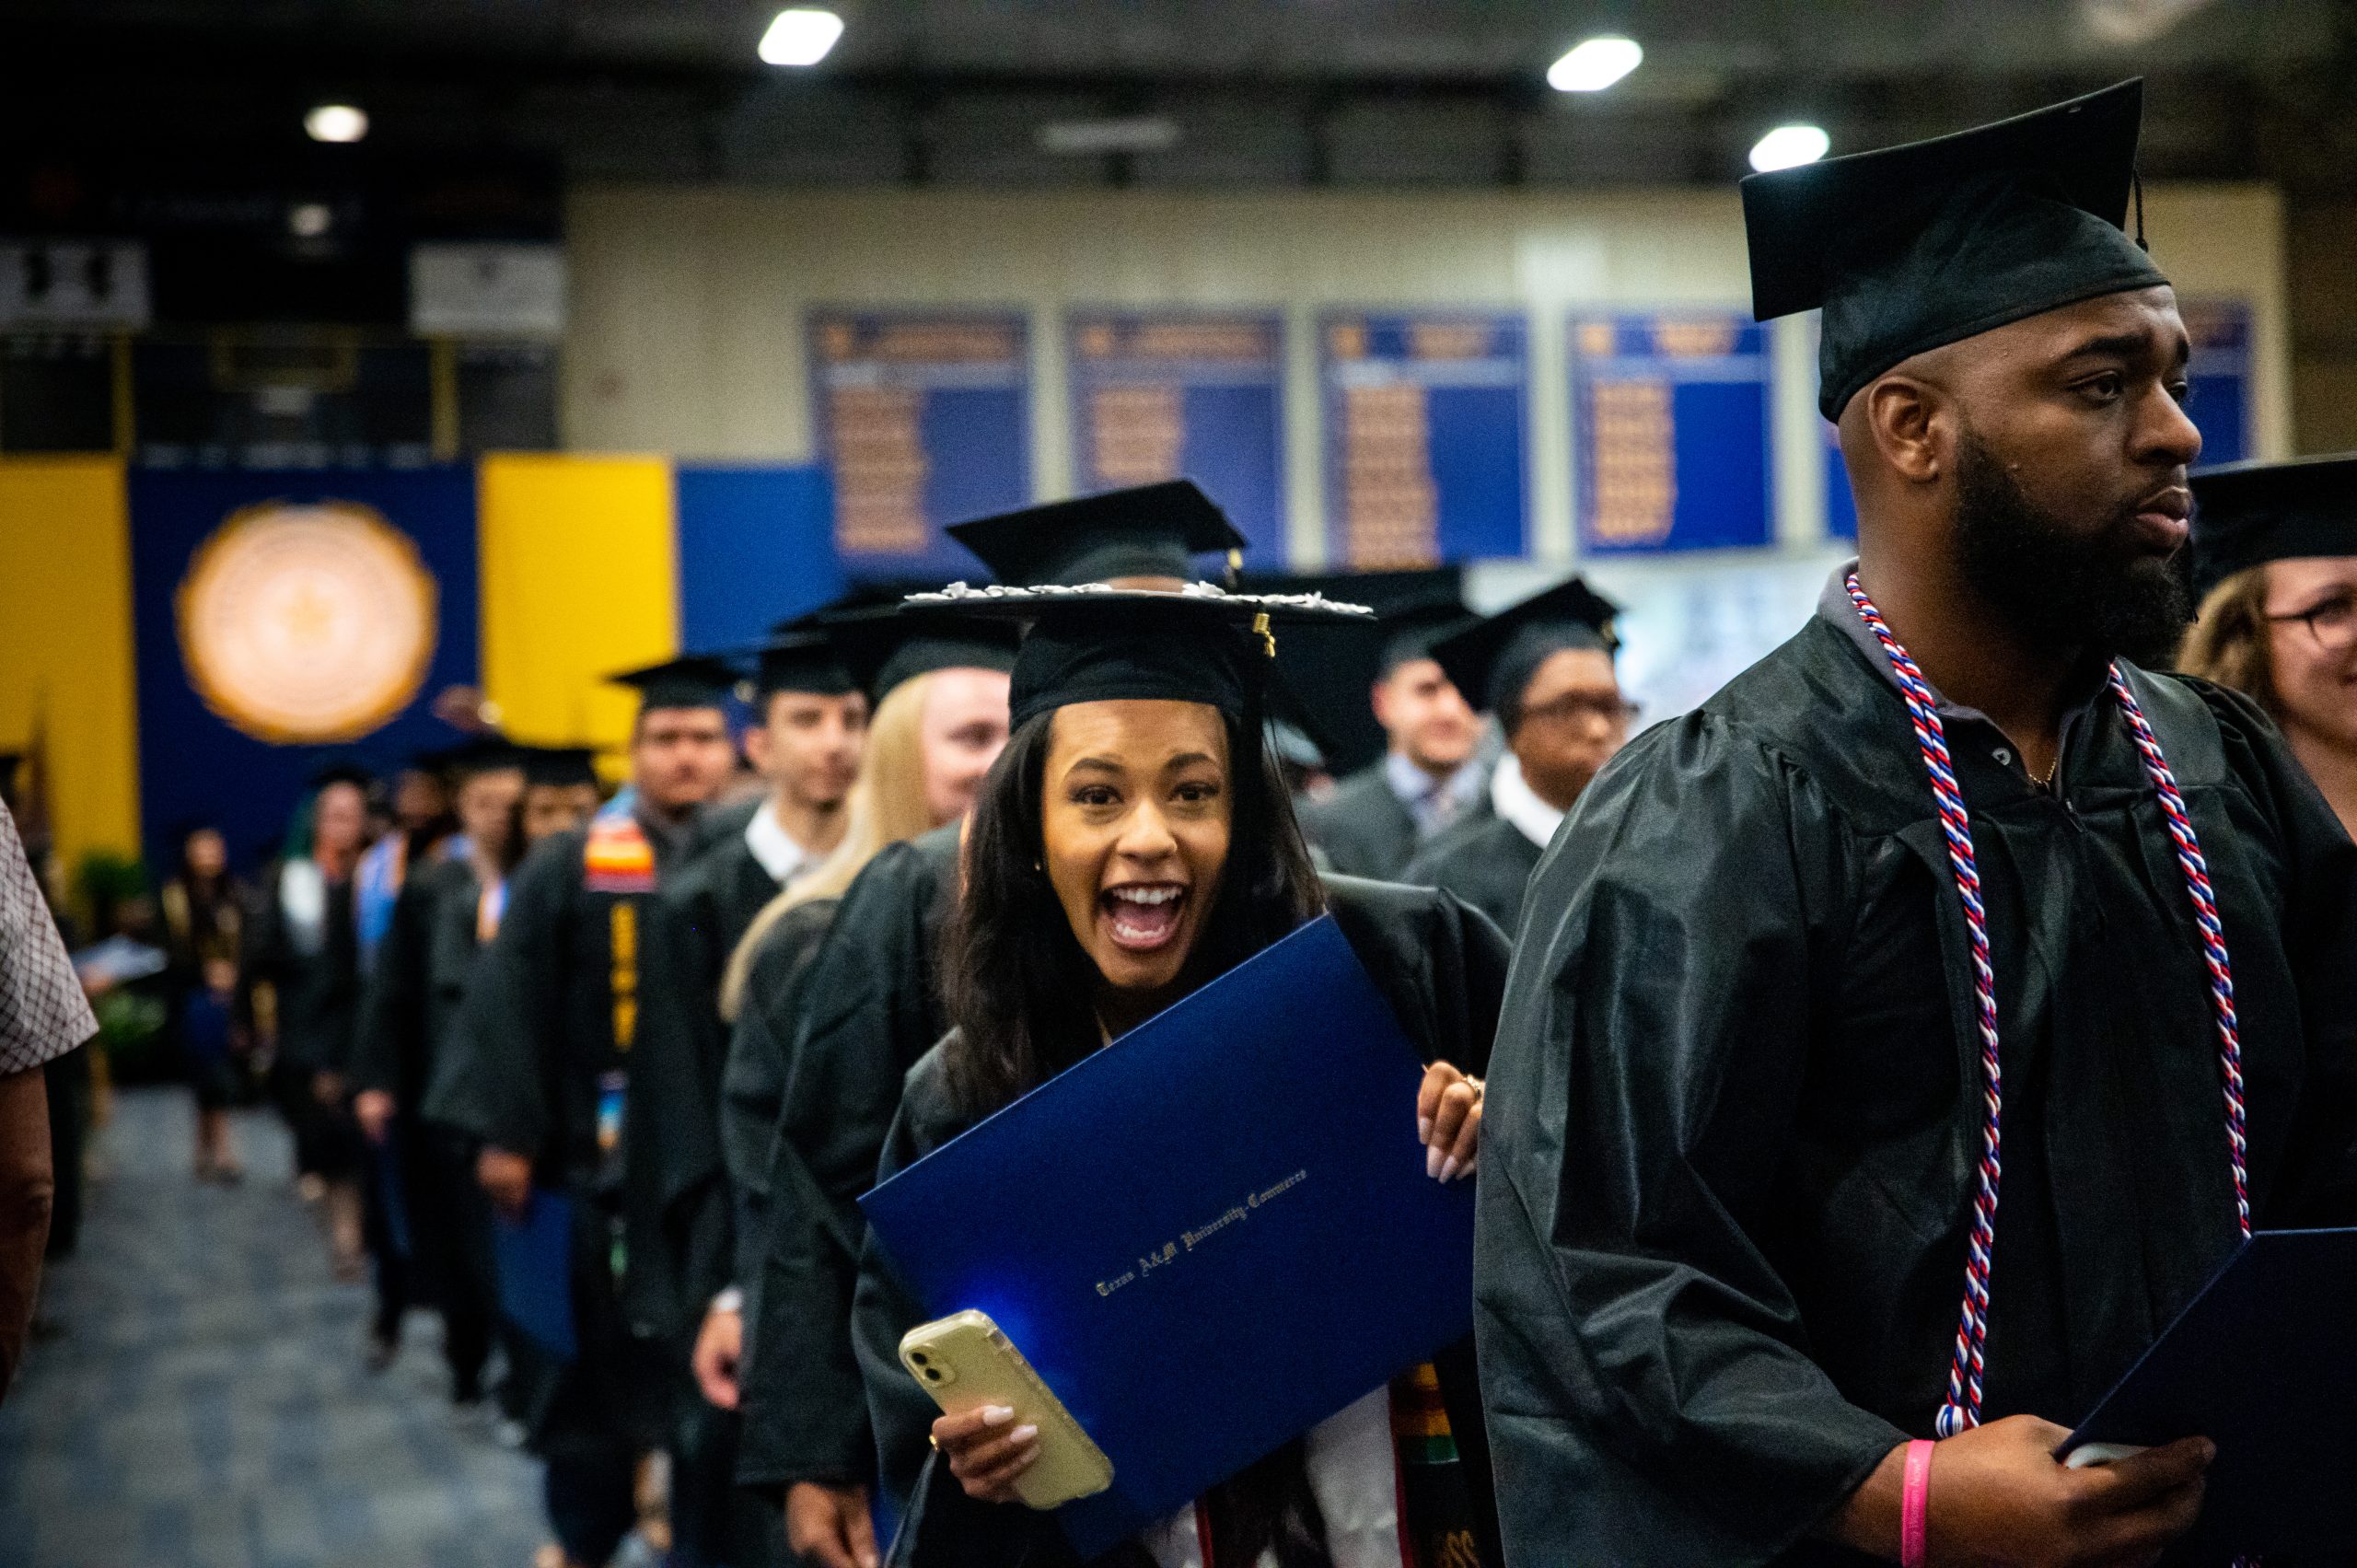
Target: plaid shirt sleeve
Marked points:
42	1011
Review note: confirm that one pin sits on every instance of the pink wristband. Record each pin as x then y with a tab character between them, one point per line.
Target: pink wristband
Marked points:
1915	1503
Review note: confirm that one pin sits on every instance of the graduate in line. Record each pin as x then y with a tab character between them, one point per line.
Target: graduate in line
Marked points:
1908	916
1136	841
876	1009
543	1085
1431	776
2275	550
809	732
1544	668
409	1012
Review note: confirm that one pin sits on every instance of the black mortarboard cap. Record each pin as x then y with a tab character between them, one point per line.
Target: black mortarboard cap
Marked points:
1912	246
691	681
1412	630
342	770
801	661
2247	514
476	754
1494	660
1150	530
884	648
1098	645
560	765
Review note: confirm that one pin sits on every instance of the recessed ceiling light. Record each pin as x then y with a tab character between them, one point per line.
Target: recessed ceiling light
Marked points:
1595	65
1788	146
309	220
801	36
336	122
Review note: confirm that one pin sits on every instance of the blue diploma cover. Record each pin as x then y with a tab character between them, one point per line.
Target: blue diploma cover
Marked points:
2263	1363
533	1259
1209	1236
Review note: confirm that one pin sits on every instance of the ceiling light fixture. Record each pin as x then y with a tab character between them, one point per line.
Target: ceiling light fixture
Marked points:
1595	65
1789	147
336	122
1081	138
801	36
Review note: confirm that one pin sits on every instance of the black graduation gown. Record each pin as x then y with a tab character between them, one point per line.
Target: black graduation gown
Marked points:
556	1003
1735	1108
752	1084
873	1009
687	1255
1442	968
1362	828
409	1013
1486	861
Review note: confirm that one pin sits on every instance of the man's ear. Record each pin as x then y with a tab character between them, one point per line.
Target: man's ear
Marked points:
1378	697
1911	421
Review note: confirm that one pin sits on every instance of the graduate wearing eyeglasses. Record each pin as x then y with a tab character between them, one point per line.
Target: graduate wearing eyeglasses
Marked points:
1951	897
1544	668
2275	551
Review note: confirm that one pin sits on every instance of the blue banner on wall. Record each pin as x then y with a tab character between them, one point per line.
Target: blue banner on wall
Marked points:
2222	405
922	420
756	546
1195	395
287	619
1425	419
1670	431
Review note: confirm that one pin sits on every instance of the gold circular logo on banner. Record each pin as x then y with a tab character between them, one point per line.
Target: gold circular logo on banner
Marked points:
307	623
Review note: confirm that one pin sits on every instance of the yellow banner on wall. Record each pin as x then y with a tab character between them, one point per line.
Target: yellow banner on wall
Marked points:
579	576
66	644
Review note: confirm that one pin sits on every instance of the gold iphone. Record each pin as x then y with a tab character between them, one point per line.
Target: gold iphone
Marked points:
964	1362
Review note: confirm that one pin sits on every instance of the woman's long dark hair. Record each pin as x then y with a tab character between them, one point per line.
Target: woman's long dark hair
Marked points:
1018	984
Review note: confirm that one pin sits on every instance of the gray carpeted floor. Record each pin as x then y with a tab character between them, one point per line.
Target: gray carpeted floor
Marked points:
206	1406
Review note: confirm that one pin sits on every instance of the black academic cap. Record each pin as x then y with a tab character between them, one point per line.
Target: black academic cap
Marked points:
342	770
800	661
2247	514
1493	659
691	681
559	765
1095	645
1912	246
884	648
1412	630
476	754
1150	530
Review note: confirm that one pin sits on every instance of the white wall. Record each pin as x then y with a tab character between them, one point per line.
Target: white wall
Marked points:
686	328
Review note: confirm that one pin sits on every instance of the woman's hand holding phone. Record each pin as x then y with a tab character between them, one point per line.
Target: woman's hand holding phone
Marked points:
1449	1120
986	1452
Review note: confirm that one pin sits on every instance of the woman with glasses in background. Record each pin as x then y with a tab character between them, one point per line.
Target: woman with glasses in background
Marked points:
2275	554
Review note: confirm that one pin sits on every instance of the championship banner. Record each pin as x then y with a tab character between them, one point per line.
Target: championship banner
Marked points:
1670	432
922	420
283	619
1184	395
2221	403
1424	438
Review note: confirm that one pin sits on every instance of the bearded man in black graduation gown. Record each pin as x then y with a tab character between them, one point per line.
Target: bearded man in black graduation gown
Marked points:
1545	667
547	1038
1736	1105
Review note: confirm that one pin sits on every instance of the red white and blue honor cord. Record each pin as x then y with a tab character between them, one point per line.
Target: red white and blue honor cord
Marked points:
1962	1411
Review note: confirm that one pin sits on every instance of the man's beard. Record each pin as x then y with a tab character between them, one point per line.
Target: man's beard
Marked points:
2060	587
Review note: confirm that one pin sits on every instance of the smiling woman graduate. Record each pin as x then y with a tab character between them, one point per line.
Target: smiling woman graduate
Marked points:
1134	843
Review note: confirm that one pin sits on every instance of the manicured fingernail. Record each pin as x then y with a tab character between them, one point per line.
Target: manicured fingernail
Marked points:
1026	1461
1431	1163
1026	1434
1424	1129
997	1415
1448	1168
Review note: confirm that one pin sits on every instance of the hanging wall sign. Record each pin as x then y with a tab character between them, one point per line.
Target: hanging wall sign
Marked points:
1424	438
922	420
1192	395
1670	431
2222	405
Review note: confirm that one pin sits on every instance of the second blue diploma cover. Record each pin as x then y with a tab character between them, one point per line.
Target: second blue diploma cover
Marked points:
1209	1236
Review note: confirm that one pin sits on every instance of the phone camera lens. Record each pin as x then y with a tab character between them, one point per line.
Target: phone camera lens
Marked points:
933	1372
918	1356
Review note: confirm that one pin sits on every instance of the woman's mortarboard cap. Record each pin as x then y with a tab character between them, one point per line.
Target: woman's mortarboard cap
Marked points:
2247	514
1150	530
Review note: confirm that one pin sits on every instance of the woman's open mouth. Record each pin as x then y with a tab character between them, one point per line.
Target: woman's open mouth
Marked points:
1142	916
